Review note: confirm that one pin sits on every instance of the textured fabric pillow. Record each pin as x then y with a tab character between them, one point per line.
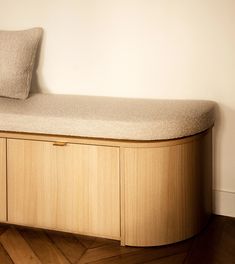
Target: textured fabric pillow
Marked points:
17	55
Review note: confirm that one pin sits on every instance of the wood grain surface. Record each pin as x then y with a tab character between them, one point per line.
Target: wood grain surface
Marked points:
167	191
215	244
71	188
142	193
3	183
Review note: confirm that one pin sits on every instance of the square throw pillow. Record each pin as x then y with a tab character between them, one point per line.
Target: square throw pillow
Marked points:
17	56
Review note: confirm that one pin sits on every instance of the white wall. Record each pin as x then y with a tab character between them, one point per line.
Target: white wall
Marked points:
141	48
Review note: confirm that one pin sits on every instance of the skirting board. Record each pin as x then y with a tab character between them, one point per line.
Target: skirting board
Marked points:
224	203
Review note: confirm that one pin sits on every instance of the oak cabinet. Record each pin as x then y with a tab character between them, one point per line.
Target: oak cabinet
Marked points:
2	179
141	193
69	187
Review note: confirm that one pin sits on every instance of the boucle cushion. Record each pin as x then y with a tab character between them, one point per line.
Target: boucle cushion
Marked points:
17	56
104	117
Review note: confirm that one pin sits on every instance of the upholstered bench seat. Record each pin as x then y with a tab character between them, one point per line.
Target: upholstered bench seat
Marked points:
106	117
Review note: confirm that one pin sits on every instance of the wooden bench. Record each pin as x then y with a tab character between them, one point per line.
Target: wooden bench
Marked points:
135	170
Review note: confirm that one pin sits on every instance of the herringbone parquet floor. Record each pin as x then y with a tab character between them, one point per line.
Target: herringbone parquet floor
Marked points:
216	244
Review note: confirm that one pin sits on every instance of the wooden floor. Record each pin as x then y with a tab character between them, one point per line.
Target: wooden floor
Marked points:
216	244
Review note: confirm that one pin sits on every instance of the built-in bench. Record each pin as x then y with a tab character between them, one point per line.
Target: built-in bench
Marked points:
136	170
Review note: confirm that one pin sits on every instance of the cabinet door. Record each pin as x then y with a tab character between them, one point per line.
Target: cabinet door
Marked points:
2	179
73	188
167	191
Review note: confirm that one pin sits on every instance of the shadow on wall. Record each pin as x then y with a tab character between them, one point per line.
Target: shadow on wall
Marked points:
223	148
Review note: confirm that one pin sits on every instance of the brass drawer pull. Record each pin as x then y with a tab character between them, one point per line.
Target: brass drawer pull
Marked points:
60	144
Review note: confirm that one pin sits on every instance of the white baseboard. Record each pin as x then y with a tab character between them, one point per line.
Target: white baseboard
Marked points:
224	203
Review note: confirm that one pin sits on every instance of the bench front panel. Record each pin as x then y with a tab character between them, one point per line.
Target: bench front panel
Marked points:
68	187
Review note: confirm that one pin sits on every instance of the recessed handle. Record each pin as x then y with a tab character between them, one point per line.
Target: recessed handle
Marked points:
60	144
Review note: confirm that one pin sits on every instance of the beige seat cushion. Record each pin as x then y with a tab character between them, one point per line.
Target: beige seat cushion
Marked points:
104	117
17	56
